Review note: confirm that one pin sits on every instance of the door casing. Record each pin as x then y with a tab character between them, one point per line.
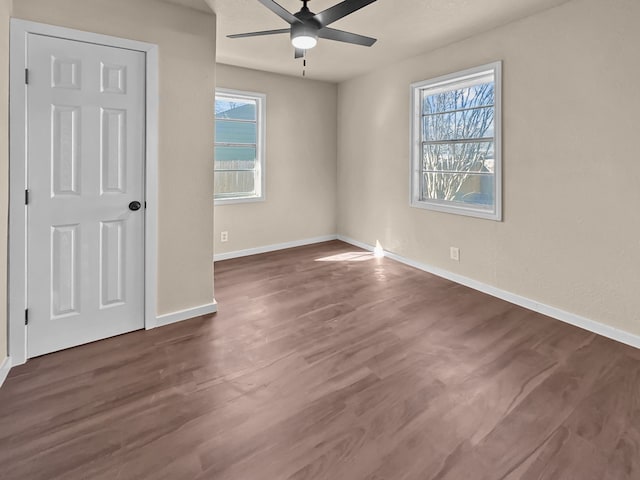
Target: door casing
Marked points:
17	281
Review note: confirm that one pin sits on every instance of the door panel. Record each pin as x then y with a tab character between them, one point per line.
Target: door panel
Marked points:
64	276
65	159
112	265
86	131
113	152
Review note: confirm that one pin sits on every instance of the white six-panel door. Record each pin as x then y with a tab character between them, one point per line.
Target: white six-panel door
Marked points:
85	147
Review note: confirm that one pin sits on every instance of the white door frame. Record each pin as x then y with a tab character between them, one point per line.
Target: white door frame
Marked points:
17	301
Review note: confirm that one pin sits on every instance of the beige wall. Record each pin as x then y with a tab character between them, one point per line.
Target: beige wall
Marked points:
300	163
571	121
186	40
5	13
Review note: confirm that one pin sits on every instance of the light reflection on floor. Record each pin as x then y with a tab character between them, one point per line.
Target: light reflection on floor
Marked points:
348	257
378	252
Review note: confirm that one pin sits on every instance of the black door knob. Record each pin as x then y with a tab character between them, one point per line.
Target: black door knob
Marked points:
133	206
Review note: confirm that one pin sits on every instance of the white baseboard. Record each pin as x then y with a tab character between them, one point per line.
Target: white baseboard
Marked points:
4	369
174	317
273	248
562	315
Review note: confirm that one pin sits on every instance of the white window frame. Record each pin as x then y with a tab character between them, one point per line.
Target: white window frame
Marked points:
494	68
261	101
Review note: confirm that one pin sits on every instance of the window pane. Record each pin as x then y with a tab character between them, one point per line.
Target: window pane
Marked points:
225	154
235	132
441	102
474	123
439	127
462	188
235	165
238	146
469	97
235	108
459	157
234	184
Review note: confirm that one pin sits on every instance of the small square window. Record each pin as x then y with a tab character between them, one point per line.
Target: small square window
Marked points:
456	143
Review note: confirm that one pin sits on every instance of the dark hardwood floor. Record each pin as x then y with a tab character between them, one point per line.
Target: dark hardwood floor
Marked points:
325	363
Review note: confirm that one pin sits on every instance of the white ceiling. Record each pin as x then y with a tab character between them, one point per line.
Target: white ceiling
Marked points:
404	28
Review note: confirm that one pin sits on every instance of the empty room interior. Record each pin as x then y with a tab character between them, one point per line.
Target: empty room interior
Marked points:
323	239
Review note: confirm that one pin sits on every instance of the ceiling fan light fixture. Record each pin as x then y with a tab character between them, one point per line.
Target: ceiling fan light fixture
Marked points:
304	42
304	35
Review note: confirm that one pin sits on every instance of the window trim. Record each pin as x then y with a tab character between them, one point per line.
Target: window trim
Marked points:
261	102
416	142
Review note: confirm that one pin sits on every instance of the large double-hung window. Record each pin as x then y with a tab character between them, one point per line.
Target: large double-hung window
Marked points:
239	146
456	144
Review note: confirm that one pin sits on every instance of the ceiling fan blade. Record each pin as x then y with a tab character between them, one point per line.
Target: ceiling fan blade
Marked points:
347	37
299	53
280	11
257	34
340	10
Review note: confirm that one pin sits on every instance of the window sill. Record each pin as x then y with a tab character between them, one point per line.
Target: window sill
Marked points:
459	210
218	202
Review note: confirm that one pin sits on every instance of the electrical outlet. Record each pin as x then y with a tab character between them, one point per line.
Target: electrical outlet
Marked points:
224	236
454	253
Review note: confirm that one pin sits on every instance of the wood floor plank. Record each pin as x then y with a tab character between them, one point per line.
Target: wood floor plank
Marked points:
327	363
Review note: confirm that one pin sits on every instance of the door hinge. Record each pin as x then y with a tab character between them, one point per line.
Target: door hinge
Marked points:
26	76
26	197
26	316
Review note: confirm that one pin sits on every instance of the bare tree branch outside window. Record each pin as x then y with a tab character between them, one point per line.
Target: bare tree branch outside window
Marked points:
458	144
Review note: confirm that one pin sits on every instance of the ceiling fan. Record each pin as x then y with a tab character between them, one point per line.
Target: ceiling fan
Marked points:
306	27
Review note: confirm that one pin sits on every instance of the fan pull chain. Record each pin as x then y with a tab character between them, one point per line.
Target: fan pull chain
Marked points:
304	64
